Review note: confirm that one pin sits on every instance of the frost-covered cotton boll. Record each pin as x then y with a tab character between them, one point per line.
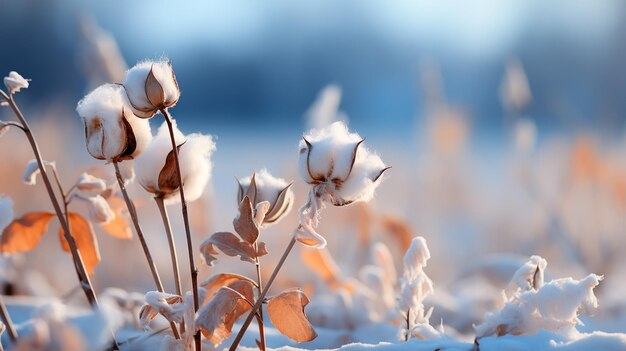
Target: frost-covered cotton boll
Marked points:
156	169
263	186
99	209
88	186
151	86
15	82
112	131
334	157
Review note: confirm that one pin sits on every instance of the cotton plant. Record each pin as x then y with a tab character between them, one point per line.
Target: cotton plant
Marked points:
14	83
152	88
536	305
340	171
156	174
415	287
262	201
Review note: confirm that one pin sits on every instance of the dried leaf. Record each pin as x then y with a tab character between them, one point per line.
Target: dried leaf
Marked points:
216	319
307	235
118	227
244	223
208	252
24	234
229	244
82	232
213	284
323	264
286	311
398	229
168	177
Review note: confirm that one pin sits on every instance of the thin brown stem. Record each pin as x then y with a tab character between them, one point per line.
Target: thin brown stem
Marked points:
259	287
135	219
192	264
7	321
76	256
261	297
170	239
408	324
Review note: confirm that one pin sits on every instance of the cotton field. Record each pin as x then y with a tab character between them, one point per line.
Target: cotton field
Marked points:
238	177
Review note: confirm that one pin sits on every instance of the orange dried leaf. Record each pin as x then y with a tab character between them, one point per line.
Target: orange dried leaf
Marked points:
229	244
82	232
286	312
213	284
321	263
23	234
118	227
398	229
216	319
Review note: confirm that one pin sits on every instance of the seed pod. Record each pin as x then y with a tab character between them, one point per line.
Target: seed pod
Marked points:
263	186
112	131
151	86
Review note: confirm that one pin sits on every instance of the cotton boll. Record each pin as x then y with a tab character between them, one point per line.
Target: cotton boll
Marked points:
99	209
335	157
195	165
6	212
15	82
112	131
276	191
151	85
88	186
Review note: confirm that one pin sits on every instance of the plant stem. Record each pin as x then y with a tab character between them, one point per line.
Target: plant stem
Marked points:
259	287
192	264
76	256
7	321
408	324
135	219
172	244
259	301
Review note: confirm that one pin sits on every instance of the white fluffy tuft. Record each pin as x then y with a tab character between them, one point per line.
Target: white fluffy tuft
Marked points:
135	84
102	110
195	162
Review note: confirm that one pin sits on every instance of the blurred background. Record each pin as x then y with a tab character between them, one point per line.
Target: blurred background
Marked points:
503	121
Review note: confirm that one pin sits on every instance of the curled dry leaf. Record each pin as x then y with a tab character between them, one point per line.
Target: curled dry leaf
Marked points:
244	223
398	229
82	232
23	234
169	306
213	284
229	244
286	311
216	319
322	263
118	227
